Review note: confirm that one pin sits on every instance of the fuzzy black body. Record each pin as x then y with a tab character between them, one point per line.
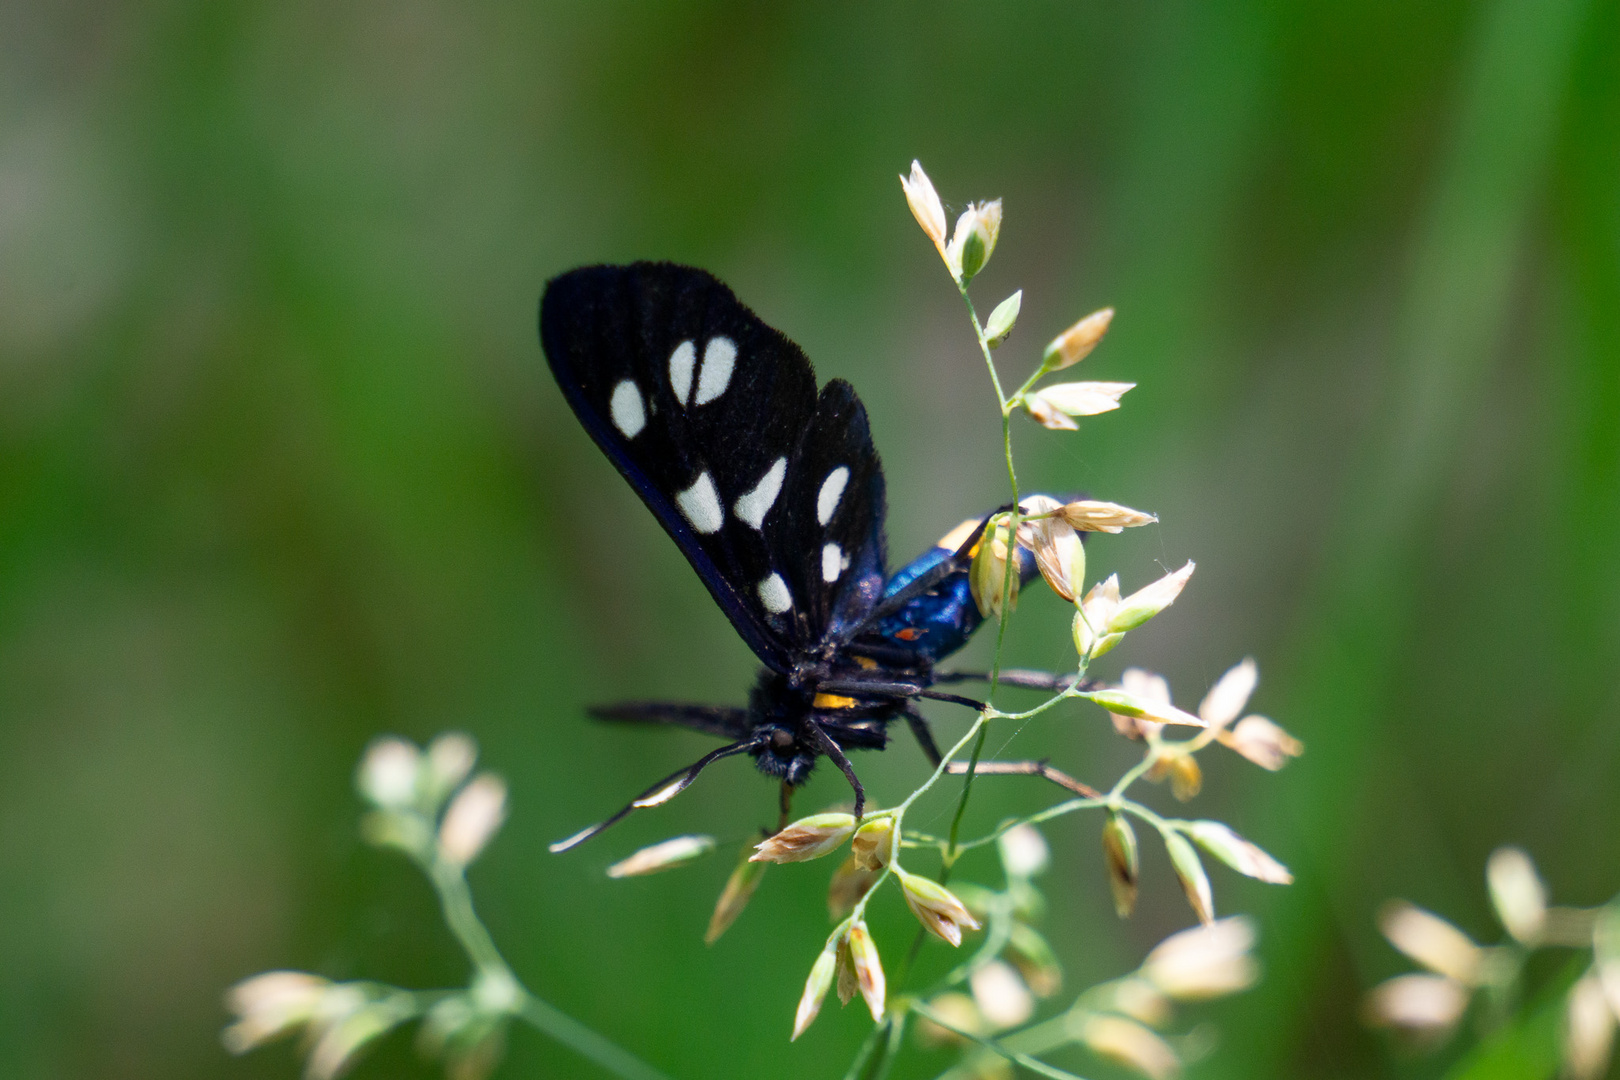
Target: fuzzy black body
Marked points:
775	494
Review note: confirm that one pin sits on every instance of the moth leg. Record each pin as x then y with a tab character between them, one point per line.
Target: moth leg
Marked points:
954	699
924	735
1026	768
871	688
825	744
786	802
660	793
874	688
1032	680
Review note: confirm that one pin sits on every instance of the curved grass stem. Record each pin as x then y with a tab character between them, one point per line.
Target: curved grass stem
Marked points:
495	981
1011	569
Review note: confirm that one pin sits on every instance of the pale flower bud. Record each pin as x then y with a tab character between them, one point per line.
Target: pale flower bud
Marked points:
347	1024
868	968
936	907
805	839
1048	415
1140	708
1205	962
1091	515
925	204
1131	1045
1059	554
1091	639
1001	995
1225	700
1190	872
1147	602
1138	999
269	1005
815	990
1186	777
872	843
450	760
474	815
1431	941
739	889
1002	319
1241	855
1588	1031
388	773
1517	893
979	900
975	238
1023	851
1262	742
1423	1005
1120	850
1146	685
1082	398
662	856
1073	344
992	586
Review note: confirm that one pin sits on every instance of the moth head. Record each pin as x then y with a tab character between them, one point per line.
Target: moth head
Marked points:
778	752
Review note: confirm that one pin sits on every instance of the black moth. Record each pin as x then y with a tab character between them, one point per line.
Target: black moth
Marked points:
775	494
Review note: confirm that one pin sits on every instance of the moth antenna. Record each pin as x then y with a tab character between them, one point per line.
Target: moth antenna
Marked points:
660	793
954	699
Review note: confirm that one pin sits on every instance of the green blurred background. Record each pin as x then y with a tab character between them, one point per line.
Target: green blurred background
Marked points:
281	468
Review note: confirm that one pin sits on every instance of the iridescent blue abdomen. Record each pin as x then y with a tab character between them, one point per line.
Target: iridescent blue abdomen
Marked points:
940	621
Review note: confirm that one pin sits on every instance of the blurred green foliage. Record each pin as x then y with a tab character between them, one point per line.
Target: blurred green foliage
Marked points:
281	468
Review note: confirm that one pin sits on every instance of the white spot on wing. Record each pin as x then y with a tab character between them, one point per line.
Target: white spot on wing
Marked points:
701	505
681	362
719	357
832	562
753	506
628	415
832	489
773	593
